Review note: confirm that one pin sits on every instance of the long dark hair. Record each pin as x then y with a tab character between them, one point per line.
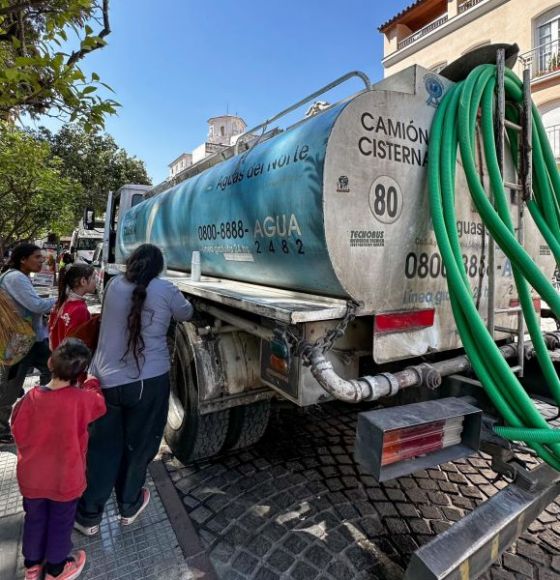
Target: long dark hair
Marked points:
142	266
20	252
69	277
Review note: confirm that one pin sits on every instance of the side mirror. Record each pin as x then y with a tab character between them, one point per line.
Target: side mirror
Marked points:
89	218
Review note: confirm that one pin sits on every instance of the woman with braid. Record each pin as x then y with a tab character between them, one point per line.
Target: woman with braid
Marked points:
132	363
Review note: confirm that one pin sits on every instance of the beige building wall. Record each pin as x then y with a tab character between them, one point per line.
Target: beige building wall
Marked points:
506	21
488	21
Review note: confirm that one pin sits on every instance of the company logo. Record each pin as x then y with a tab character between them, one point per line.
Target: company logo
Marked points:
435	89
342	184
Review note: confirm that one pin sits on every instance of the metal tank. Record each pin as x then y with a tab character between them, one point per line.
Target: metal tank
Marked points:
336	205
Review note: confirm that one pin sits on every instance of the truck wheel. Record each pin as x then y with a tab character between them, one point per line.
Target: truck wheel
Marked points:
247	424
189	434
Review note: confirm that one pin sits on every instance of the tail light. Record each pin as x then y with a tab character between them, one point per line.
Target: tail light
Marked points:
399	440
401	444
536	303
404	321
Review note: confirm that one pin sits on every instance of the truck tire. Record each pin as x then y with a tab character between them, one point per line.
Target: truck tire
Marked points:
247	424
189	434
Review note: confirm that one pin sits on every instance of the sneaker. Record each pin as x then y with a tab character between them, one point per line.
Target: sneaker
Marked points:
72	569
34	573
86	530
145	501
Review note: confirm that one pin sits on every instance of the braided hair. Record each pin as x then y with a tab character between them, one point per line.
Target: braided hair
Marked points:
142	266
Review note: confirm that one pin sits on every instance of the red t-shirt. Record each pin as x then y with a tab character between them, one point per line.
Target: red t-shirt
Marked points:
70	316
51	432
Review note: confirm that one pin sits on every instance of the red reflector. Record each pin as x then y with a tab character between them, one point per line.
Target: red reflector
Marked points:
402	321
408	442
278	364
536	303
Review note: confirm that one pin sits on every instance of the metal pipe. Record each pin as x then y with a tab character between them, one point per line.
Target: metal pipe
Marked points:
338	81
371	388
241	323
349	391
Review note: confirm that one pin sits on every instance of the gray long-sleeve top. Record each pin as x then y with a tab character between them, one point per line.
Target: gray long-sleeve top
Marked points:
163	301
28	302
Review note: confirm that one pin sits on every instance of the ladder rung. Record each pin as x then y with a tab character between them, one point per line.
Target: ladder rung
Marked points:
513	125
509	310
511	185
467	380
514	331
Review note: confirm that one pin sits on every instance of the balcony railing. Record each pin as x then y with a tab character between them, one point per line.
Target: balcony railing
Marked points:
468	5
543	59
553	134
423	31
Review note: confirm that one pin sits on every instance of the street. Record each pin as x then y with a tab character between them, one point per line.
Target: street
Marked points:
297	506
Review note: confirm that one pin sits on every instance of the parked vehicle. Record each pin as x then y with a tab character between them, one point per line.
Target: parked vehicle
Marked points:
97	263
84	241
321	279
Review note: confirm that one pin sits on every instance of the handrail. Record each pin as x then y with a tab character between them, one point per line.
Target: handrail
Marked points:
440	21
322	90
542	59
468	5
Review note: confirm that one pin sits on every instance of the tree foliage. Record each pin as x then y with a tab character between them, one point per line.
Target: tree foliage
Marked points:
35	196
41	45
96	161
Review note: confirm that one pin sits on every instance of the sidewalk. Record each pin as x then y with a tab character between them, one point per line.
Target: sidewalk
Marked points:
148	549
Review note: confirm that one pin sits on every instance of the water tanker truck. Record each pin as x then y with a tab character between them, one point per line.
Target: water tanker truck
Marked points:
315	260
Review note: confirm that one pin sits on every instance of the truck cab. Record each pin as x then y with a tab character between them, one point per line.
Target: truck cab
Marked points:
118	203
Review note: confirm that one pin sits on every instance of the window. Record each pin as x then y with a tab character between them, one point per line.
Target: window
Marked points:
136	199
222	131
547	37
87	243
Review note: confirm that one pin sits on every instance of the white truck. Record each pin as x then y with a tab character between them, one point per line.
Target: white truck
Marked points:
84	241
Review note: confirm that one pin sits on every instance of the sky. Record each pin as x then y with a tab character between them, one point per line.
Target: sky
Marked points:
173	64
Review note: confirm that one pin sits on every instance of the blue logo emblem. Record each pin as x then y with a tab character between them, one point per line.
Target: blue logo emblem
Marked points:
435	89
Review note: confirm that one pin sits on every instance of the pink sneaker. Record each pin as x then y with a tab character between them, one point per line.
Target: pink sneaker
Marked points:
145	501
72	569
34	573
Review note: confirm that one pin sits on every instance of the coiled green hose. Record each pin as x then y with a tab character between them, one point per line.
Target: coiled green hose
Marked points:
454	128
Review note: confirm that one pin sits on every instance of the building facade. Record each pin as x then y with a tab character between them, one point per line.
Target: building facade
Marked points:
433	33
223	131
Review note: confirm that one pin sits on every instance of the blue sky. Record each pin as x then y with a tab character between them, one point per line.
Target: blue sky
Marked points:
175	63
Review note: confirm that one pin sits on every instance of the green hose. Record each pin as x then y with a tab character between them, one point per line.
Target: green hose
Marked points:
454	129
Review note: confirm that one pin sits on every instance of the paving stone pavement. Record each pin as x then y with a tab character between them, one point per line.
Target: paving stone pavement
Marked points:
148	549
297	506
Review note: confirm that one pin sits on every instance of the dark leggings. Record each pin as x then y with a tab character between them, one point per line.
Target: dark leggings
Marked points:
122	444
13	378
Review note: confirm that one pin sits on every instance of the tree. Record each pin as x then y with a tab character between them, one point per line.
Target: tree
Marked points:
35	196
39	62
96	161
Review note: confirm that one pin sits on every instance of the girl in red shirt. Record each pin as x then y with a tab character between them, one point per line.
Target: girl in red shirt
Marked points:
50	426
71	310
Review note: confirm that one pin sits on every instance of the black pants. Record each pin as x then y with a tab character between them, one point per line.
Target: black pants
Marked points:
14	377
122	444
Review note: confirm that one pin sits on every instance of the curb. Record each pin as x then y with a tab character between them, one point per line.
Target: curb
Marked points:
187	538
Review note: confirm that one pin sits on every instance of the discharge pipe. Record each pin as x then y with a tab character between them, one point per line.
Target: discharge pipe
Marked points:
372	388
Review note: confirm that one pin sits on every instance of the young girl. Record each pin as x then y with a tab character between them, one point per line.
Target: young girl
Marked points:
51	475
74	283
